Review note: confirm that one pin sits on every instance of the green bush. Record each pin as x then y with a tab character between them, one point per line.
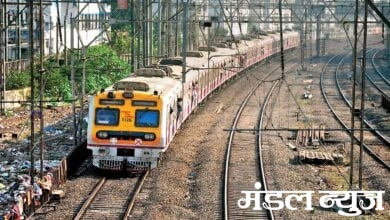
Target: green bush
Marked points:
104	67
57	84
17	80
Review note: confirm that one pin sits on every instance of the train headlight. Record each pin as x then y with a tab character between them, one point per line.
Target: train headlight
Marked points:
149	136
127	95
111	95
102	134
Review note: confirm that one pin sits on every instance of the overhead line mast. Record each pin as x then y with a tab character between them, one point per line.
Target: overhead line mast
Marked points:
32	104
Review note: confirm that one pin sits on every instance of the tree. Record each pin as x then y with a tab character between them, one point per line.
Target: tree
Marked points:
103	68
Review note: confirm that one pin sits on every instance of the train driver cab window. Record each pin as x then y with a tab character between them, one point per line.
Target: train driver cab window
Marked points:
107	116
146	118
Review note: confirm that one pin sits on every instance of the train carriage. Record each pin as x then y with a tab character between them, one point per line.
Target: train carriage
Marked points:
132	122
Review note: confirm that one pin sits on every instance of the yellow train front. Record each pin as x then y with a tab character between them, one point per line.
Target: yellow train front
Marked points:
124	126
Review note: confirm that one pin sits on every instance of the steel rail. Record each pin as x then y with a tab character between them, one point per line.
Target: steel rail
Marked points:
137	191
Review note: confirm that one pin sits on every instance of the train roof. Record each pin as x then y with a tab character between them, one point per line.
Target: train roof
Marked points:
162	85
165	75
210	57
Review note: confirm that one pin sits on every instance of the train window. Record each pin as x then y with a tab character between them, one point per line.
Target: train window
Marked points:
107	116
146	118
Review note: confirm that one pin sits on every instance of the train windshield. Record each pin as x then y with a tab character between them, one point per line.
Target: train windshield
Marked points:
146	118
107	116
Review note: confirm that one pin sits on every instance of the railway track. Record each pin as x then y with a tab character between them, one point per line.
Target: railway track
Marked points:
243	163
340	105
375	76
378	115
111	198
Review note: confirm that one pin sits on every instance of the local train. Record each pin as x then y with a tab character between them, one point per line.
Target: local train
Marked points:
132	122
